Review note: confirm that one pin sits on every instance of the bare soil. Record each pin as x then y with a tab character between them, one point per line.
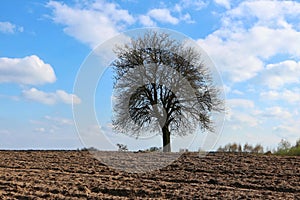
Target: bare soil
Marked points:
78	175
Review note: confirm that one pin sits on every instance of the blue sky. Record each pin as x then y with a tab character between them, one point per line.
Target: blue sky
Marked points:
254	45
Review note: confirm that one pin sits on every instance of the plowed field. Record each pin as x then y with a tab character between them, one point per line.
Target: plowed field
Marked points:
78	175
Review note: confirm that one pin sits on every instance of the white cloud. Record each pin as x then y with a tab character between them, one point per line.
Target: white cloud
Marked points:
226	89
28	70
280	74
266	13
288	128
238	120
291	96
92	23
239	114
40	130
241	103
238	92
249	37
163	15
241	54
59	120
59	96
9	28
292	129
225	3
146	20
232	57
187	18
275	112
52	124
190	4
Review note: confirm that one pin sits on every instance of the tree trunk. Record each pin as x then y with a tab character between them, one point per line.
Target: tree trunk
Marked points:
166	139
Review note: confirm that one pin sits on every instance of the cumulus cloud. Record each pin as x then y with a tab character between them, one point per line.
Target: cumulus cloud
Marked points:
40	130
29	70
225	3
59	120
239	113
146	20
172	15
190	4
280	74
92	23
275	112
266	13
163	15
240	55
238	119
291	128
59	96
232	57
290	96
51	124
250	35
9	28
241	103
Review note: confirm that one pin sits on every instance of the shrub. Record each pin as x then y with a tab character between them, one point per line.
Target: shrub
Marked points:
294	151
89	149
286	149
152	149
283	147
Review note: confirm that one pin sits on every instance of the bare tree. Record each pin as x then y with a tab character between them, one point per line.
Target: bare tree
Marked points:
258	149
248	148
162	85
233	147
284	146
240	148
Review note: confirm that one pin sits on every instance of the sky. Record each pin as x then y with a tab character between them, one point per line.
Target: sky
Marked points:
253	44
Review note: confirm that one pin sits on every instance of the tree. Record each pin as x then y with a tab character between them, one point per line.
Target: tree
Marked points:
233	147
258	149
240	148
283	147
297	143
122	147
248	148
162	85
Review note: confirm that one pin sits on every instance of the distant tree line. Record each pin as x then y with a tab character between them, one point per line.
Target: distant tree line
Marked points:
247	148
284	148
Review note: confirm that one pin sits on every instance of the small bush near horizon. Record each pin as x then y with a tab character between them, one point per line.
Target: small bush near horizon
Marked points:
89	149
152	149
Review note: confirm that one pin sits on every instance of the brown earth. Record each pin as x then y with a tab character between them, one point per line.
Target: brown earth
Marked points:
78	175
